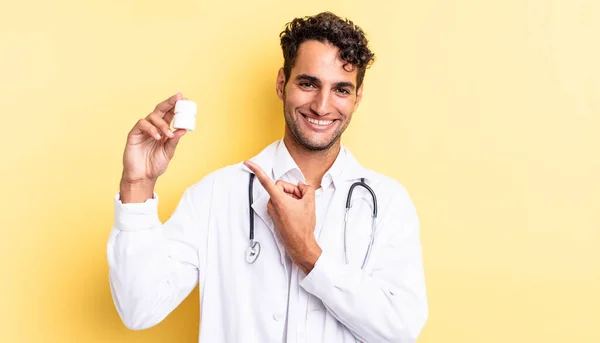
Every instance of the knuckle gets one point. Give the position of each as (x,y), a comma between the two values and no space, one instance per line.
(151,116)
(150,129)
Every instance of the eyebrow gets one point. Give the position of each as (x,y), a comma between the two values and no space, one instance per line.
(315,80)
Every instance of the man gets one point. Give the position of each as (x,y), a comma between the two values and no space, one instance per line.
(283,266)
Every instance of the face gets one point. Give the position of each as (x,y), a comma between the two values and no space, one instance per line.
(319,97)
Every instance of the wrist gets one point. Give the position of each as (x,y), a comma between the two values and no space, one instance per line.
(136,191)
(306,261)
(128,178)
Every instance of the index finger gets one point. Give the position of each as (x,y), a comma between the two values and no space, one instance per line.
(167,105)
(264,179)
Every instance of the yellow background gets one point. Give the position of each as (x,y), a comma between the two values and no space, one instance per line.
(487,111)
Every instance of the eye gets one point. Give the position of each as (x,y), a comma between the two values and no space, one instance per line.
(307,85)
(343,91)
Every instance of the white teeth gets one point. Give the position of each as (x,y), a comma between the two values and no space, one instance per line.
(319,122)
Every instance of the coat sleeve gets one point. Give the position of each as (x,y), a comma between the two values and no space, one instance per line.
(385,302)
(153,266)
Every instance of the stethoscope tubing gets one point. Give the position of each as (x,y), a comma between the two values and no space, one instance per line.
(360,183)
(253,250)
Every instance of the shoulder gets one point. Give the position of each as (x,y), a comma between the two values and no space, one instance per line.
(386,184)
(230,178)
(397,210)
(394,200)
(223,179)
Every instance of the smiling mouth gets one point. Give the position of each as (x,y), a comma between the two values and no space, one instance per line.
(319,123)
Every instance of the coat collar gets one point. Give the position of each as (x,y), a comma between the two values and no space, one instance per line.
(346,168)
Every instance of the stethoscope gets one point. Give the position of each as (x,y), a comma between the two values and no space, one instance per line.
(253,250)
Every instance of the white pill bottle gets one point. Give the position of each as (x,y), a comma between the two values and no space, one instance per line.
(185,115)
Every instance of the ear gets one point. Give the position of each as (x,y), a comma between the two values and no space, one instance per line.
(280,83)
(359,93)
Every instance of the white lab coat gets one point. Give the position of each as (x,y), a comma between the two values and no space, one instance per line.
(153,267)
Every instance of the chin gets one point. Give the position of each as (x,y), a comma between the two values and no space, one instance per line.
(316,145)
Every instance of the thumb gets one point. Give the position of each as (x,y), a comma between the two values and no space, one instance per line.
(306,189)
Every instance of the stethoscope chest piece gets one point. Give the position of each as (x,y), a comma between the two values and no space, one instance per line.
(252,252)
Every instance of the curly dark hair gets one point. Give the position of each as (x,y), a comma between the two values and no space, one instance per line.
(327,27)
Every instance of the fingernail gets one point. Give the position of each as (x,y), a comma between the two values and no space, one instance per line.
(158,136)
(170,133)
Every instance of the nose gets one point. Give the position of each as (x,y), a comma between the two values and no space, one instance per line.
(320,103)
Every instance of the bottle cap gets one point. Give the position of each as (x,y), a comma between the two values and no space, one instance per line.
(186,106)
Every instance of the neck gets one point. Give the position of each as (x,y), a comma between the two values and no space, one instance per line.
(313,164)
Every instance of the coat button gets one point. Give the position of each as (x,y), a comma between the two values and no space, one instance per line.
(278,316)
